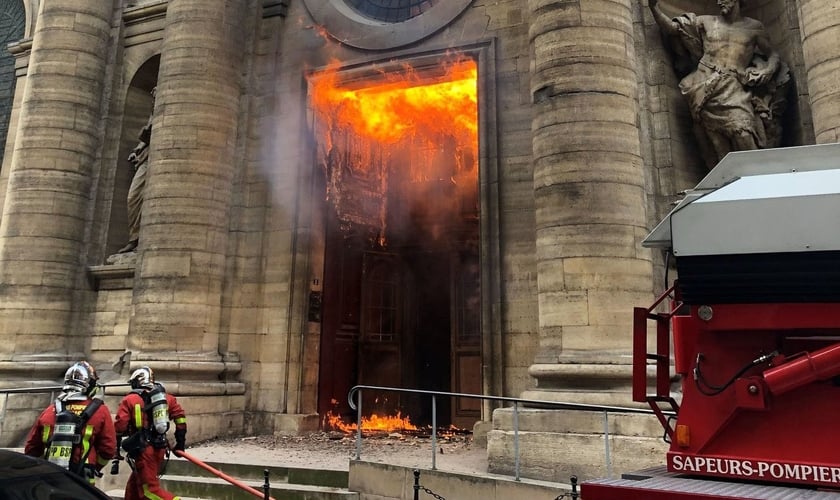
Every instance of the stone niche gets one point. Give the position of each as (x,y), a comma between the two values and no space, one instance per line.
(781,23)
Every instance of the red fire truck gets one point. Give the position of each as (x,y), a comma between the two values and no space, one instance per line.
(751,327)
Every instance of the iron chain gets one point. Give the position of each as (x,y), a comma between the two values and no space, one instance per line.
(430,492)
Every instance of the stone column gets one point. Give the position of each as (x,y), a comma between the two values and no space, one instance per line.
(589,195)
(591,271)
(46,211)
(185,215)
(820,27)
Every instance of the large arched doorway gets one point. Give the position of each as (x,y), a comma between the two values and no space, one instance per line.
(398,156)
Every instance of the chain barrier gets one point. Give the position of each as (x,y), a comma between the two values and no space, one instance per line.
(266,486)
(417,488)
(572,495)
(432,493)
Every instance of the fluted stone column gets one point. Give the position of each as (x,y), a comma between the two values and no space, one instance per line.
(589,195)
(45,213)
(820,27)
(185,216)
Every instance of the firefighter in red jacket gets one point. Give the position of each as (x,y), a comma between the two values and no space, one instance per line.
(76,431)
(143,420)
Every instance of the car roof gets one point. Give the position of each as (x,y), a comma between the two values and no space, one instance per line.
(15,466)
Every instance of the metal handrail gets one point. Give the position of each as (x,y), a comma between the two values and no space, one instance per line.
(52,389)
(356,404)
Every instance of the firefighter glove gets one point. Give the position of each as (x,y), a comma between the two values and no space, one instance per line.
(180,439)
(90,472)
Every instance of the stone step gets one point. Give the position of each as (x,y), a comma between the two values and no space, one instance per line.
(219,489)
(212,488)
(253,472)
(190,481)
(120,495)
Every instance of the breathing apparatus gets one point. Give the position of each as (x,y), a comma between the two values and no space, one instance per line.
(154,398)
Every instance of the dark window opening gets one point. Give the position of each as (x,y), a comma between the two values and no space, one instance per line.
(391,11)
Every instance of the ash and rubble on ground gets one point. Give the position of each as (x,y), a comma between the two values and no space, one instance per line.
(335,450)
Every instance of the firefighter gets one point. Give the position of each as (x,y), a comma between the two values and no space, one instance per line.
(143,420)
(76,431)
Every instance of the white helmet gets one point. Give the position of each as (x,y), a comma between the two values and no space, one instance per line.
(77,378)
(142,377)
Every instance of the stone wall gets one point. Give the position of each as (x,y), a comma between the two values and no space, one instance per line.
(377,481)
(585,143)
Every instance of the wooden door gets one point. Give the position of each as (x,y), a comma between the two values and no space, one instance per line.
(340,321)
(466,340)
(380,336)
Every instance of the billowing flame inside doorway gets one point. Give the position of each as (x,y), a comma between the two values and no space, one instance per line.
(397,150)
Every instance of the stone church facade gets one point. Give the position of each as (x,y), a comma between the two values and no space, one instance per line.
(258,299)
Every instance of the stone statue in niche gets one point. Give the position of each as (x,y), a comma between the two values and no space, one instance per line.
(733,80)
(139,159)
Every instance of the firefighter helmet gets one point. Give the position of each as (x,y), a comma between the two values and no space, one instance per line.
(142,377)
(77,378)
(94,378)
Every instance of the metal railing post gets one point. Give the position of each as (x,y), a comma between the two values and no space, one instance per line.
(416,484)
(516,440)
(607,457)
(358,424)
(3,414)
(266,485)
(434,430)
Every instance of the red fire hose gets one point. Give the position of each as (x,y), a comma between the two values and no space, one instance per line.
(217,472)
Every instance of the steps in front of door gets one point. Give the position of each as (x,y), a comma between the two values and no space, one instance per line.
(191,481)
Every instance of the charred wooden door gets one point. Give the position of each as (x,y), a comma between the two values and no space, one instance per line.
(406,317)
(340,321)
(466,340)
(430,327)
(381,333)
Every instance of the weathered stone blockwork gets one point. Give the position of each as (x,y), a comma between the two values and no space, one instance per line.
(584,143)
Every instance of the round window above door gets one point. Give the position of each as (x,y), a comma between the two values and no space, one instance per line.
(391,11)
(383,24)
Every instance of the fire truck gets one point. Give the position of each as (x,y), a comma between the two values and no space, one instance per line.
(751,329)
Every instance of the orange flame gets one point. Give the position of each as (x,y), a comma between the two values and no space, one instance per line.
(372,423)
(402,126)
(403,105)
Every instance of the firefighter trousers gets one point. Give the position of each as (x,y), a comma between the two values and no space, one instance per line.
(143,482)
